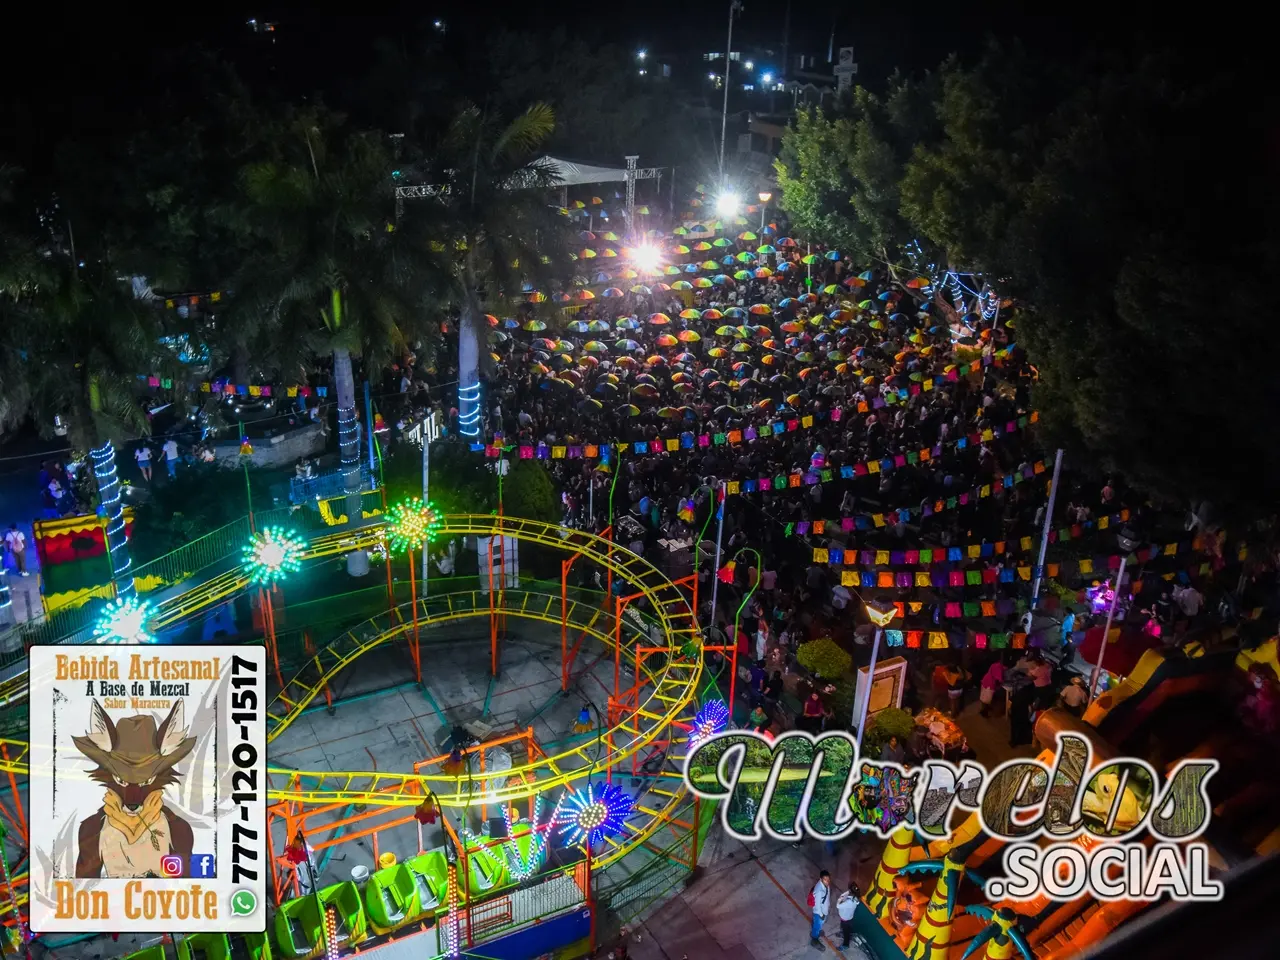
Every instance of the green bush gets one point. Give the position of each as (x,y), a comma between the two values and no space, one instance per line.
(824,658)
(890,722)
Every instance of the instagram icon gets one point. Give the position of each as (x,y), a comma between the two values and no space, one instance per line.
(171,866)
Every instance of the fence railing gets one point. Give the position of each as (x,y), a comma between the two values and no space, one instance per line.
(324,486)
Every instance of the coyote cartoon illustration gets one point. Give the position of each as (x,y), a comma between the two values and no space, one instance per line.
(133,829)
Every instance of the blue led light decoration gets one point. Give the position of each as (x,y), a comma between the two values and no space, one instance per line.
(589,815)
(469,410)
(124,620)
(273,554)
(103,459)
(712,718)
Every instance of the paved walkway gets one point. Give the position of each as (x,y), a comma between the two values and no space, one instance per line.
(749,902)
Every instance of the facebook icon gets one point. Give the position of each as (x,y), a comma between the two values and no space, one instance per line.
(202,866)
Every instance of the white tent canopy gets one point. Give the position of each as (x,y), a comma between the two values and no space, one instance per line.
(574,174)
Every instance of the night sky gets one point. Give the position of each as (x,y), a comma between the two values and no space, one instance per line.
(84,70)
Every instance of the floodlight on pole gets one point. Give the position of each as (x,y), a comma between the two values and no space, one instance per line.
(727,204)
(881,613)
(1128,542)
(647,259)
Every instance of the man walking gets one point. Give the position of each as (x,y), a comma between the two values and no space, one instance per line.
(171,456)
(820,904)
(16,541)
(845,907)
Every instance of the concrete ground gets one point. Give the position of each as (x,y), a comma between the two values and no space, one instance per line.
(750,900)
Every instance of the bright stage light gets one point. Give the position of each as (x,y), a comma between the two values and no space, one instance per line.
(124,620)
(727,204)
(647,259)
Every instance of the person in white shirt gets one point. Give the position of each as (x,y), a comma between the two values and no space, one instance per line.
(821,906)
(16,541)
(143,456)
(845,908)
(171,457)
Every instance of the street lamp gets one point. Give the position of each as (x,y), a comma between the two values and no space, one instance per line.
(1127,541)
(647,259)
(881,613)
(641,55)
(766,78)
(765,197)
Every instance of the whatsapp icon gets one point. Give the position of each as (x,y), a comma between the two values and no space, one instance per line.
(243,903)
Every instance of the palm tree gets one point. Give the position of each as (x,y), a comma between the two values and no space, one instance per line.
(493,201)
(321,207)
(72,342)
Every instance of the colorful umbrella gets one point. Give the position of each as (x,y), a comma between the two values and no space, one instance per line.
(641,289)
(669,413)
(534,326)
(717,352)
(584,295)
(736,312)
(666,340)
(646,390)
(766,249)
(763,273)
(611,292)
(688,336)
(742,275)
(595,346)
(832,255)
(761,309)
(702,283)
(578,326)
(598,326)
(658,319)
(682,285)
(711,314)
(628,410)
(627,345)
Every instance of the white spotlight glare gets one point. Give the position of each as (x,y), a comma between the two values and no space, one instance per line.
(727,204)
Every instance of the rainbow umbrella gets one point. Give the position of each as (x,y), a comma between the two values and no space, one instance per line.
(805,357)
(598,326)
(625,361)
(831,288)
(742,348)
(786,242)
(887,295)
(709,265)
(655,361)
(747,235)
(671,270)
(854,282)
(721,280)
(742,275)
(662,286)
(725,331)
(770,344)
(578,326)
(588,361)
(918,283)
(627,345)
(708,373)
(769,359)
(876,325)
(690,314)
(680,231)
(658,319)
(586,253)
(626,274)
(763,273)
(702,283)
(711,314)
(805,373)
(720,242)
(628,410)
(493,321)
(610,378)
(682,285)
(842,368)
(641,289)
(792,326)
(646,390)
(736,312)
(717,352)
(666,340)
(669,413)
(584,295)
(563,346)
(562,298)
(685,357)
(698,227)
(809,259)
(761,309)
(627,323)
(611,292)
(832,255)
(509,323)
(702,245)
(679,249)
(746,256)
(688,336)
(761,330)
(740,366)
(766,249)
(545,344)
(866,305)
(534,326)
(743,332)
(595,346)
(837,355)
(794,399)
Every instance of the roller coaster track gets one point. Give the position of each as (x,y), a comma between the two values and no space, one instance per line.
(663,701)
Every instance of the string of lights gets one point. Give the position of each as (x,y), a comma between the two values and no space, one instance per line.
(107,477)
(469,410)
(451,925)
(593,813)
(331,950)
(349,441)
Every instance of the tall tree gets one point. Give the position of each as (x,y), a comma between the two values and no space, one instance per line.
(330,257)
(498,225)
